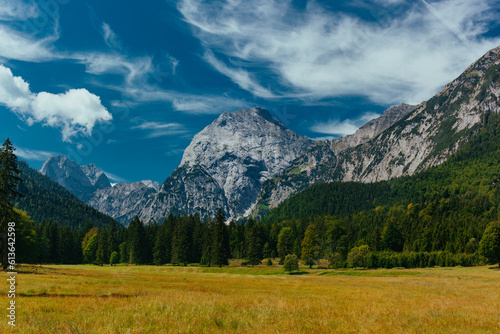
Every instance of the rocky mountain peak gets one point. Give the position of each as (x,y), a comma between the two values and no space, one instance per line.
(226,164)
(68,174)
(372,128)
(96,177)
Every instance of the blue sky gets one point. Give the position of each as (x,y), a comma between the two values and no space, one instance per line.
(126,84)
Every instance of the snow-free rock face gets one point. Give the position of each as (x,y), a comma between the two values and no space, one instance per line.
(68,174)
(97,177)
(226,164)
(123,201)
(424,136)
(372,128)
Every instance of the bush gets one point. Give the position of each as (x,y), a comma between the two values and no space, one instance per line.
(291,263)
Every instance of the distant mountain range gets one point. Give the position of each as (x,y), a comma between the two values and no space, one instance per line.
(246,162)
(91,185)
(45,199)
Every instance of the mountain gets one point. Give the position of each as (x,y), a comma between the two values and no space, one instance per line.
(68,174)
(226,164)
(372,128)
(96,177)
(425,136)
(121,201)
(445,208)
(45,199)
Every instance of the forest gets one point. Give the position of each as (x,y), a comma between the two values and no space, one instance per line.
(445,216)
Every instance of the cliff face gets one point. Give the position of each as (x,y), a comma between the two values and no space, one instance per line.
(226,164)
(425,136)
(122,202)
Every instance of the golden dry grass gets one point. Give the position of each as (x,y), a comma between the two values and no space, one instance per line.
(148,299)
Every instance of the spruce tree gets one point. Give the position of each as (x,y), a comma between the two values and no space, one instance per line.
(220,241)
(137,242)
(206,251)
(180,242)
(9,179)
(101,256)
(253,242)
(112,245)
(160,248)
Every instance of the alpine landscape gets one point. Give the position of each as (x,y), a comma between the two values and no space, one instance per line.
(250,166)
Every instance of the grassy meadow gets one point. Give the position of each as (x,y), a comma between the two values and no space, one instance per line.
(150,299)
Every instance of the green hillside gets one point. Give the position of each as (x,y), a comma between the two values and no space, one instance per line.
(441,209)
(45,199)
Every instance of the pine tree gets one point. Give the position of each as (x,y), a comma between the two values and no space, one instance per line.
(392,237)
(160,248)
(137,242)
(180,242)
(220,241)
(101,256)
(112,245)
(253,242)
(9,179)
(206,251)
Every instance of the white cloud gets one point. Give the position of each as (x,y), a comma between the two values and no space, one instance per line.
(110,37)
(318,53)
(75,111)
(19,46)
(343,128)
(37,155)
(158,129)
(240,77)
(17,10)
(114,177)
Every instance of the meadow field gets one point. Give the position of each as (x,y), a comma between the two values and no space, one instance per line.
(150,299)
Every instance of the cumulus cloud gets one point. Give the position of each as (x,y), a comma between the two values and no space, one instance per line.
(406,55)
(74,112)
(343,128)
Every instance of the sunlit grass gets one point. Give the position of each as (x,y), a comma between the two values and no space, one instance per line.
(149,299)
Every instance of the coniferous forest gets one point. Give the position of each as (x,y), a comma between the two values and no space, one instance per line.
(438,217)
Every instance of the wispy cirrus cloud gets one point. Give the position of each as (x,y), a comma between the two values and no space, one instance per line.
(160,129)
(36,155)
(17,10)
(406,55)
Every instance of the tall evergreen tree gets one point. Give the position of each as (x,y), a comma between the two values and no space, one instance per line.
(206,251)
(9,179)
(392,236)
(180,242)
(101,256)
(137,242)
(112,245)
(253,242)
(220,241)
(160,247)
